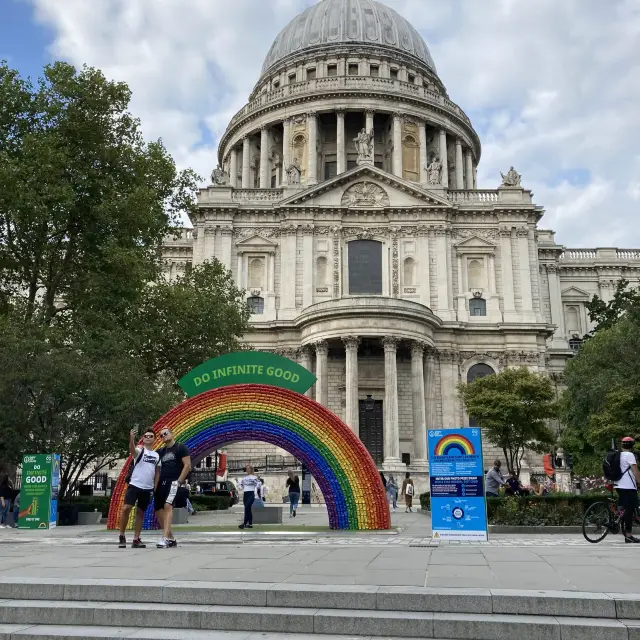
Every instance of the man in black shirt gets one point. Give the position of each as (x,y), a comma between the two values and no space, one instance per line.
(171,490)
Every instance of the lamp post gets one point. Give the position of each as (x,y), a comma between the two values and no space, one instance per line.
(369,403)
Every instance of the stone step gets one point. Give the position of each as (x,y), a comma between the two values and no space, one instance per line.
(406,624)
(361,598)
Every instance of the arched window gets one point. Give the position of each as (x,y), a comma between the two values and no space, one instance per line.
(475,273)
(256,304)
(321,272)
(365,267)
(256,273)
(480,370)
(573,320)
(477,307)
(410,159)
(409,272)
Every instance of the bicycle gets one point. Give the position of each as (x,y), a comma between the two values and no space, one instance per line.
(604,517)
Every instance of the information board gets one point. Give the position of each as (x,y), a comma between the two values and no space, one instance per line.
(458,506)
(39,491)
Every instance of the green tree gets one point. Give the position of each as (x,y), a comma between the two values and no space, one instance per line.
(85,201)
(75,397)
(605,314)
(601,402)
(513,407)
(181,324)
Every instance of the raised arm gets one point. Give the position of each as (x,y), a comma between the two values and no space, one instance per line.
(132,444)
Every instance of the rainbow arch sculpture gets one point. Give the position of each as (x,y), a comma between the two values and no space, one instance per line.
(337,459)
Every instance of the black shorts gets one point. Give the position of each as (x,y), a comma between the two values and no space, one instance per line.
(140,496)
(166,493)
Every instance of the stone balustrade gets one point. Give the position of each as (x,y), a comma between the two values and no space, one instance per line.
(599,254)
(475,196)
(179,236)
(257,195)
(360,83)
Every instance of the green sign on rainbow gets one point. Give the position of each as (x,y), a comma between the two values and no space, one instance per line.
(247,367)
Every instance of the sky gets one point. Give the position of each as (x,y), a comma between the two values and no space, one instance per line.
(551,86)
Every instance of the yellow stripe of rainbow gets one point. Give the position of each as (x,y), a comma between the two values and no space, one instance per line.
(453,441)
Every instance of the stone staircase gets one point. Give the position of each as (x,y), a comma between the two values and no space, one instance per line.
(37,609)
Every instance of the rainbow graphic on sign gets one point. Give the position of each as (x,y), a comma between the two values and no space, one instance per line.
(337,459)
(454,444)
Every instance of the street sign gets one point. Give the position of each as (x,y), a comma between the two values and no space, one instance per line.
(458,505)
(39,491)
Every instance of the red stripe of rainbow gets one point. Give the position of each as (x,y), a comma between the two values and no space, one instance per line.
(337,459)
(453,441)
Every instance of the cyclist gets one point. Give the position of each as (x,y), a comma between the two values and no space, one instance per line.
(627,487)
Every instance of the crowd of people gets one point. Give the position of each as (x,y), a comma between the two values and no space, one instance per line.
(496,484)
(407,491)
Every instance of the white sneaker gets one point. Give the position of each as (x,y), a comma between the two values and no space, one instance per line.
(163,544)
(393,510)
(2,526)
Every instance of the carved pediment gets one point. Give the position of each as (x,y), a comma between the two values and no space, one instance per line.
(366,186)
(475,244)
(256,243)
(576,294)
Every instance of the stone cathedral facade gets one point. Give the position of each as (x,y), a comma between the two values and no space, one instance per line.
(346,204)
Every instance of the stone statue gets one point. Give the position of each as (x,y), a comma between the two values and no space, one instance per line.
(294,172)
(219,177)
(364,146)
(512,179)
(434,170)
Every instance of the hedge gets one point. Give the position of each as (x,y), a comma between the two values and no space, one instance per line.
(210,503)
(556,509)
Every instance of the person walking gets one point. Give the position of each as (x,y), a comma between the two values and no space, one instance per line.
(171,492)
(6,493)
(293,486)
(627,488)
(494,480)
(407,491)
(143,480)
(16,510)
(250,486)
(392,492)
(261,494)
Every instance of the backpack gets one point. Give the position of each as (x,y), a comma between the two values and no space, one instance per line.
(409,489)
(132,467)
(611,466)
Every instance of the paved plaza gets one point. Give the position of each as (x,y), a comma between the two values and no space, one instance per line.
(404,557)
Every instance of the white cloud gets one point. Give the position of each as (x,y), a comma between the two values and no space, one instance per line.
(552,87)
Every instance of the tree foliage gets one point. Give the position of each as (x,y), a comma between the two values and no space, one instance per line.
(601,402)
(605,314)
(92,337)
(513,407)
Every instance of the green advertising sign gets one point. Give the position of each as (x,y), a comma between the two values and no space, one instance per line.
(39,491)
(247,367)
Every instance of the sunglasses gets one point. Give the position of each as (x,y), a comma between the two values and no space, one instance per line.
(149,435)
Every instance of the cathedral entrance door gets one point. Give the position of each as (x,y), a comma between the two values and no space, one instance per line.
(371,430)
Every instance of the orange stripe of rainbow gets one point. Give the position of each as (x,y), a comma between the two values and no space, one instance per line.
(337,459)
(453,441)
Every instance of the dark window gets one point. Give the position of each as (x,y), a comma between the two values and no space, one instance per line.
(256,304)
(379,164)
(276,84)
(372,429)
(477,307)
(273,182)
(394,74)
(365,267)
(330,169)
(311,74)
(375,70)
(351,164)
(406,458)
(480,370)
(353,69)
(292,78)
(332,70)
(412,78)
(187,268)
(575,344)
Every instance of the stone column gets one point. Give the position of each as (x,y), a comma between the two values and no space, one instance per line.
(419,408)
(430,389)
(286,147)
(449,383)
(557,314)
(391,427)
(422,128)
(322,373)
(246,163)
(526,293)
(341,155)
(444,158)
(306,361)
(352,408)
(506,267)
(459,165)
(443,272)
(307,266)
(469,169)
(224,245)
(312,155)
(233,168)
(288,258)
(397,144)
(369,115)
(264,158)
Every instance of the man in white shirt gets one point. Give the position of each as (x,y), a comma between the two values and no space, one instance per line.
(143,480)
(251,487)
(627,487)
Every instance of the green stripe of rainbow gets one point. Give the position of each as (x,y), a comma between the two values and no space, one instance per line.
(454,441)
(337,459)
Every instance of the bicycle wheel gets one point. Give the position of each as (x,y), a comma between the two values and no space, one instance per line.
(597,522)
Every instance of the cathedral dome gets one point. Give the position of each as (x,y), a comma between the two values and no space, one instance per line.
(332,23)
